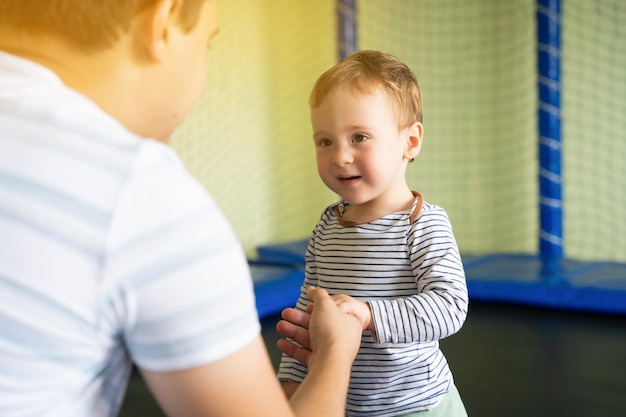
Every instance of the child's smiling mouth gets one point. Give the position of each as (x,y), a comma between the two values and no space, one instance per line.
(349,179)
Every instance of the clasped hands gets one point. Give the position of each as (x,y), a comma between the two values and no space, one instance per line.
(331,326)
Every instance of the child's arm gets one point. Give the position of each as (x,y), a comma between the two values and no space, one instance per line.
(439,307)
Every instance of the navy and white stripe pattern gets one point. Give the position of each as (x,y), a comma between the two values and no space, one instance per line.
(410,272)
(109,251)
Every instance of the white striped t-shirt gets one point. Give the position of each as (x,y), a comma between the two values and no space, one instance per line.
(408,268)
(109,251)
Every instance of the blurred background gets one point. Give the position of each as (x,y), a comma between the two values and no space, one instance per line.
(249,138)
(249,142)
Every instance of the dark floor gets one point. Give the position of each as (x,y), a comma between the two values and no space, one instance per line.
(511,361)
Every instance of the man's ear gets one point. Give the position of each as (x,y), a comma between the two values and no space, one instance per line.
(154,27)
(415,134)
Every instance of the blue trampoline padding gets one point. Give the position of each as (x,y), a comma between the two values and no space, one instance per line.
(276,285)
(587,286)
(284,252)
(513,278)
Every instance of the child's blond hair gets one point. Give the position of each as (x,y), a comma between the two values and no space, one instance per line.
(365,71)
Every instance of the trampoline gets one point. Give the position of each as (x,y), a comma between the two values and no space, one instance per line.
(548,278)
(509,278)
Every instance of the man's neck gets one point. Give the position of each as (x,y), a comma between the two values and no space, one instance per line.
(107,77)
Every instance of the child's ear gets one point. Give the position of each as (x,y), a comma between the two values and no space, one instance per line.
(154,25)
(415,134)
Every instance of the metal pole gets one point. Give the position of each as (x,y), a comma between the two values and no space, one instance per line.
(346,27)
(549,117)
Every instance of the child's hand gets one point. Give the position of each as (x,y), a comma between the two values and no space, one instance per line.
(358,309)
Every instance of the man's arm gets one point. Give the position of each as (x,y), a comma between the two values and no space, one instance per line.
(328,348)
(289,388)
(241,384)
(345,304)
(244,384)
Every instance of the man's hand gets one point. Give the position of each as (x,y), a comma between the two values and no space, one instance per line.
(324,330)
(295,326)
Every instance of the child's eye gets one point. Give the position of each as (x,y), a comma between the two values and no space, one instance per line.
(325,142)
(359,138)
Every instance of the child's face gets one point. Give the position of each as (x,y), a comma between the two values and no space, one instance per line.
(360,150)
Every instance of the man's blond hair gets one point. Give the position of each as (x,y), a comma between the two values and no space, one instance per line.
(90,24)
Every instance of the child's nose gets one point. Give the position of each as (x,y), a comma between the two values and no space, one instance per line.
(342,156)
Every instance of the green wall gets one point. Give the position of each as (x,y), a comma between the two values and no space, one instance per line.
(249,141)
